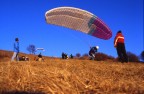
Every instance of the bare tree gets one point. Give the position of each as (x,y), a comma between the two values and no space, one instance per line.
(31,48)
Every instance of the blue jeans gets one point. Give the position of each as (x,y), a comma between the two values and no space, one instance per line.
(15,55)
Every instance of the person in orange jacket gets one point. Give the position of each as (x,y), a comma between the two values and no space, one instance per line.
(120,47)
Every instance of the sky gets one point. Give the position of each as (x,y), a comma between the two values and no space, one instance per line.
(25,19)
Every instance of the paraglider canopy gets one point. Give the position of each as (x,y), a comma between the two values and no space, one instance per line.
(78,19)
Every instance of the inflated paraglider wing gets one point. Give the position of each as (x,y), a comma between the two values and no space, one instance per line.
(80,20)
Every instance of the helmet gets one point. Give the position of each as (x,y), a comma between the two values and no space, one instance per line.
(97,47)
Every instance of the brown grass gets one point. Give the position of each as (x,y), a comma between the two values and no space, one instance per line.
(57,76)
(72,76)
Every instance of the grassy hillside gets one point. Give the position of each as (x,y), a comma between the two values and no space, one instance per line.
(71,76)
(6,56)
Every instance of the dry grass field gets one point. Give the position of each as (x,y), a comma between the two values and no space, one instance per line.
(71,76)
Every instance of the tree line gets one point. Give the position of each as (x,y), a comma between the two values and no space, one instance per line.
(99,56)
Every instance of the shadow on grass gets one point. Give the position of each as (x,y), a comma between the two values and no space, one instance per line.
(21,92)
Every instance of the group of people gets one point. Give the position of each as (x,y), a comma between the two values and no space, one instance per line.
(65,56)
(23,58)
(119,44)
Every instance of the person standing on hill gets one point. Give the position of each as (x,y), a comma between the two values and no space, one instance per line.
(16,50)
(120,47)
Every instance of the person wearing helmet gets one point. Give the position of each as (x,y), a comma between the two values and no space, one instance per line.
(93,51)
(120,47)
(16,50)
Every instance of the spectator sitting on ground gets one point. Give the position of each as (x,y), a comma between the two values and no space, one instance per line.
(64,55)
(40,57)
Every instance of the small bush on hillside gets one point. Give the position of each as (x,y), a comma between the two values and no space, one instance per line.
(98,57)
(142,55)
(85,56)
(78,55)
(132,57)
(102,57)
